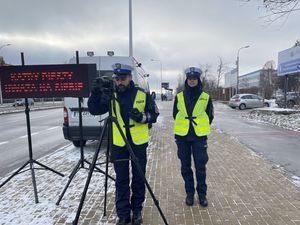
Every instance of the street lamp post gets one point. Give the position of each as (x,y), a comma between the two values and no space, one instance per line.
(157,60)
(237,67)
(1,99)
(2,46)
(130,29)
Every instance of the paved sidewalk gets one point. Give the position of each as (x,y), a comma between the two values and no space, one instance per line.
(243,188)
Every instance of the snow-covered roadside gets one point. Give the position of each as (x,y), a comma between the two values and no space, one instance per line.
(285,118)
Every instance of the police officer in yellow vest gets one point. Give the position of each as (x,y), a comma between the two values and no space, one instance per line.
(193,114)
(135,110)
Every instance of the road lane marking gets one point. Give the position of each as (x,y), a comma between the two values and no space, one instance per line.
(25,136)
(52,128)
(4,142)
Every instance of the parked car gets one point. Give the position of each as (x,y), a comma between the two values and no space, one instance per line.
(292,99)
(244,101)
(269,102)
(21,102)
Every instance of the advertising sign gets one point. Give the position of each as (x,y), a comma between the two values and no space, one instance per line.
(289,61)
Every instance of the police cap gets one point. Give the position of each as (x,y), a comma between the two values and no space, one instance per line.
(120,69)
(193,72)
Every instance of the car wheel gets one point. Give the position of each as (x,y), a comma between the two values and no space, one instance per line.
(77,143)
(267,104)
(242,106)
(290,104)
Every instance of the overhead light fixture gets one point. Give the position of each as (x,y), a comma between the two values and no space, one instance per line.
(110,53)
(90,53)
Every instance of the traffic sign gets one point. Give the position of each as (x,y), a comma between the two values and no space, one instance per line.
(289,61)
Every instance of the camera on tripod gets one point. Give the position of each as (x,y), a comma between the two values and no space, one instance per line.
(103,84)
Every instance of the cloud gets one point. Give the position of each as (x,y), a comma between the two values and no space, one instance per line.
(179,33)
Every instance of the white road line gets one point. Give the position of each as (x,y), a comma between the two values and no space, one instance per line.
(52,128)
(25,136)
(4,142)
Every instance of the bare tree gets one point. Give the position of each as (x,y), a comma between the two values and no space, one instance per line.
(206,70)
(278,9)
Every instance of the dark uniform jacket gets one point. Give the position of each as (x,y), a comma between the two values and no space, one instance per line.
(191,95)
(97,105)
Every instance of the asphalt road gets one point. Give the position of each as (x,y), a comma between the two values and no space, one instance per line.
(278,145)
(46,134)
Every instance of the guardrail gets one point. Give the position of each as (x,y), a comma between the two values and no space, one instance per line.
(9,108)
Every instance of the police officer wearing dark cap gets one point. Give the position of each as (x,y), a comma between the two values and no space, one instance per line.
(193,114)
(134,110)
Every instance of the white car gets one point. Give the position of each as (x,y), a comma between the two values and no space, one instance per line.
(244,101)
(21,102)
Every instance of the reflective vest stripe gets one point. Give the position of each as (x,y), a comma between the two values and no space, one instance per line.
(139,131)
(199,118)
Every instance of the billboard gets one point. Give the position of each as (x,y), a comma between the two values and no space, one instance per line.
(289,61)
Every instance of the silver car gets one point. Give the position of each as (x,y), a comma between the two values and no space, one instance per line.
(244,101)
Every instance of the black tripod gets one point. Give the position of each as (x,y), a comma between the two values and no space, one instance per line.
(82,160)
(108,126)
(31,161)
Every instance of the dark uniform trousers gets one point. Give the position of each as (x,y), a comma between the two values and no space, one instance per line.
(199,151)
(121,165)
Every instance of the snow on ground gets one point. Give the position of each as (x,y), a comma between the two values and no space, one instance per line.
(285,118)
(17,199)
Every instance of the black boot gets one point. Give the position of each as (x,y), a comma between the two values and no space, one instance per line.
(189,200)
(203,201)
(137,218)
(123,221)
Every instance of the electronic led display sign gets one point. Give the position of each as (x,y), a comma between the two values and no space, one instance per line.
(39,81)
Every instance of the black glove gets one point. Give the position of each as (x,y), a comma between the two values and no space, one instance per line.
(138,116)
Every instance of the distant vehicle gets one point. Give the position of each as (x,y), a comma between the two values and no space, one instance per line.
(91,127)
(292,99)
(244,101)
(21,102)
(167,95)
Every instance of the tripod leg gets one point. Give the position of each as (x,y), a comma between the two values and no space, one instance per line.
(140,171)
(69,181)
(15,173)
(34,182)
(48,168)
(92,168)
(106,177)
(101,171)
(105,173)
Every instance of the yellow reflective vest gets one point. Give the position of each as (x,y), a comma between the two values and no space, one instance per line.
(139,131)
(199,117)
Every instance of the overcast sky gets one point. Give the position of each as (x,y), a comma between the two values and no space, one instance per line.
(180,33)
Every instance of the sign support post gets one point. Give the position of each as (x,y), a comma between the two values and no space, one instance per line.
(31,161)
